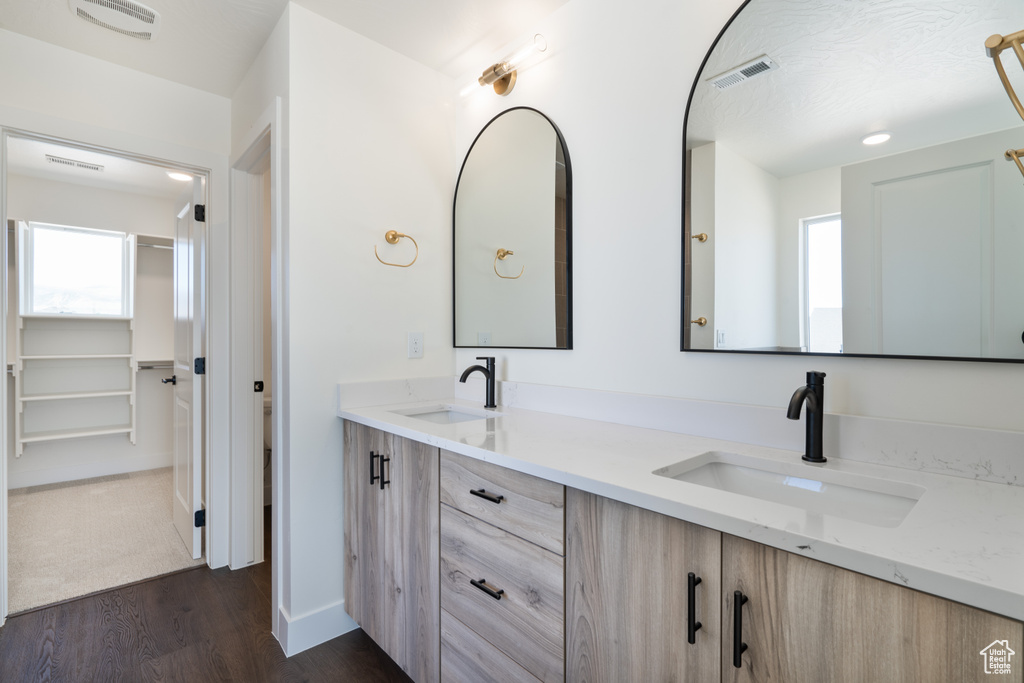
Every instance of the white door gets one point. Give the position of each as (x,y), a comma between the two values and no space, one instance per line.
(188,390)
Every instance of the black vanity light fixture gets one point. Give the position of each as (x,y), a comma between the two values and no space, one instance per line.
(502,74)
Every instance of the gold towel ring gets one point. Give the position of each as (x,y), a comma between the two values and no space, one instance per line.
(392,237)
(503,254)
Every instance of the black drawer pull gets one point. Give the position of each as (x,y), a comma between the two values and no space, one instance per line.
(692,625)
(482,585)
(487,496)
(373,465)
(738,646)
(384,481)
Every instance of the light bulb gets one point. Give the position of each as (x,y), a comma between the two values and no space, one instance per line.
(876,138)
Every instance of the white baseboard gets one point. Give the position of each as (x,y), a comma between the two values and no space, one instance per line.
(18,480)
(301,633)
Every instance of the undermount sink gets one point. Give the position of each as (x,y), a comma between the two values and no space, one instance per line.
(446,414)
(817,490)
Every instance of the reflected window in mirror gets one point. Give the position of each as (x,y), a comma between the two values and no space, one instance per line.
(512,236)
(929,256)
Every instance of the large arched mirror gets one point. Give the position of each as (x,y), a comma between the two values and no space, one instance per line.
(800,237)
(513,236)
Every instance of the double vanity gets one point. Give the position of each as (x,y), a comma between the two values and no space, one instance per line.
(513,544)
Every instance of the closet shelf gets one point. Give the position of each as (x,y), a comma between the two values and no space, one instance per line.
(76,317)
(76,356)
(83,394)
(59,434)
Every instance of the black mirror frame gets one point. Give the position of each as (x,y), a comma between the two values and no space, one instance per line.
(684,305)
(568,235)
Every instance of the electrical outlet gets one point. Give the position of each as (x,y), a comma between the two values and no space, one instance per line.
(483,338)
(415,345)
(720,338)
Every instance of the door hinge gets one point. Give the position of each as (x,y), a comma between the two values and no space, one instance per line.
(257,387)
(200,213)
(200,518)
(200,367)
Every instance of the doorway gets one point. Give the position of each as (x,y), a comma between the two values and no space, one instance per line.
(91,405)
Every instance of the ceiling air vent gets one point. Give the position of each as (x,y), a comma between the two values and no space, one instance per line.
(71,163)
(123,16)
(743,72)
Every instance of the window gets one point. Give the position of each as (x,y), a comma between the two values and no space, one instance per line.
(75,271)
(823,284)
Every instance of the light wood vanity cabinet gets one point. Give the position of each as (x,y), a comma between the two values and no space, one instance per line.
(465,571)
(807,621)
(627,588)
(391,546)
(803,621)
(502,574)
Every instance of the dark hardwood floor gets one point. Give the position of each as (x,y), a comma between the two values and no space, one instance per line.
(196,626)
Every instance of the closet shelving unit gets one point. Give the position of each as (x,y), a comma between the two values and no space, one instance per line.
(74,377)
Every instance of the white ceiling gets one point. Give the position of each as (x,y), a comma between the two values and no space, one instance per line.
(28,157)
(209,44)
(850,67)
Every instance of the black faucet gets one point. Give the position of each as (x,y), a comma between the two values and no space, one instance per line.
(488,373)
(814,395)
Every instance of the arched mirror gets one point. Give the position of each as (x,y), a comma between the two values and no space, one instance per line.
(802,237)
(513,236)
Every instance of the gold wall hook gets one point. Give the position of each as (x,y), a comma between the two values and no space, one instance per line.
(702,321)
(503,254)
(392,237)
(700,237)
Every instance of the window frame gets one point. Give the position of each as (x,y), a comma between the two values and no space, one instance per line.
(26,268)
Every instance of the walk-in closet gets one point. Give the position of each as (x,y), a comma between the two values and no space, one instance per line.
(90,351)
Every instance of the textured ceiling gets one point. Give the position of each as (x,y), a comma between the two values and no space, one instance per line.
(849,67)
(209,44)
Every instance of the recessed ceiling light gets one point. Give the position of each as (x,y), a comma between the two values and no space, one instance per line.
(876,138)
(179,176)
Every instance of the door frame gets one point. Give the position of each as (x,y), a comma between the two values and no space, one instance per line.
(210,429)
(247,204)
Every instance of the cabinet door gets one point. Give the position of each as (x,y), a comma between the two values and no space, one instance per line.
(626,594)
(806,621)
(413,556)
(364,532)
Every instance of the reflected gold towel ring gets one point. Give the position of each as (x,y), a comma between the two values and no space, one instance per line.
(392,237)
(993,46)
(503,254)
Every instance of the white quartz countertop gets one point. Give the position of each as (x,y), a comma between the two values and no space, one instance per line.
(963,540)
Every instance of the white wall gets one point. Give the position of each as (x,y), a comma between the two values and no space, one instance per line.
(54,91)
(807,195)
(624,136)
(746,215)
(364,155)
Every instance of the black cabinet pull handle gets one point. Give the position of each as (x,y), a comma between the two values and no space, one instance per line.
(482,585)
(487,496)
(738,646)
(373,464)
(384,481)
(173,379)
(692,625)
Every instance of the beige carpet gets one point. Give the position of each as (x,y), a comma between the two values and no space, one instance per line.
(72,539)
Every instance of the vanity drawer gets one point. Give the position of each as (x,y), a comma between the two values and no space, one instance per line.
(527,621)
(468,658)
(529,507)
